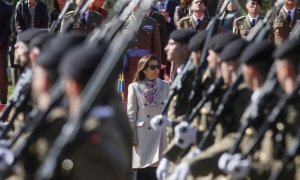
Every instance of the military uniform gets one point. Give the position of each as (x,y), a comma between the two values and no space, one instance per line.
(93,20)
(164,39)
(281,27)
(147,40)
(189,23)
(242,26)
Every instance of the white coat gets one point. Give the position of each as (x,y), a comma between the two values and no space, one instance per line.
(149,143)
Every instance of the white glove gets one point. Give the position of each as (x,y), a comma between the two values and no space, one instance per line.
(223,161)
(7,158)
(192,153)
(237,167)
(162,170)
(181,172)
(159,122)
(185,135)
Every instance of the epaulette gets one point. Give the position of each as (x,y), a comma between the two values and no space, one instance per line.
(243,86)
(185,18)
(240,18)
(69,13)
(95,12)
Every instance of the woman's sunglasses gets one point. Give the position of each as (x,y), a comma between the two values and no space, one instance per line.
(153,67)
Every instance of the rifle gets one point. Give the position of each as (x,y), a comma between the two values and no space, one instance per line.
(94,87)
(256,108)
(81,8)
(290,154)
(211,31)
(175,151)
(36,118)
(256,34)
(55,23)
(271,119)
(18,100)
(259,31)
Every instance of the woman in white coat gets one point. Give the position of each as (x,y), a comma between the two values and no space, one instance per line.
(146,96)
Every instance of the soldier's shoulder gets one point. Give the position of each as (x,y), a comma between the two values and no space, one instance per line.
(69,13)
(151,20)
(95,13)
(241,18)
(186,18)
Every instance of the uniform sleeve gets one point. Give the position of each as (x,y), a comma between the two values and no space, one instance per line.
(180,24)
(132,108)
(207,161)
(176,15)
(156,43)
(235,29)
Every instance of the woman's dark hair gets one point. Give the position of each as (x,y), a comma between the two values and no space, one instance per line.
(142,65)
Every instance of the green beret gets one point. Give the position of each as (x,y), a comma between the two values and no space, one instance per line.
(182,35)
(197,41)
(290,48)
(258,52)
(233,50)
(219,41)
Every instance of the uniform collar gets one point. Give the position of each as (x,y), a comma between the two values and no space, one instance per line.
(292,11)
(251,18)
(196,18)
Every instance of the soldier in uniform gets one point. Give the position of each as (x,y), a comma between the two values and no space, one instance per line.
(272,147)
(45,75)
(87,22)
(205,162)
(178,53)
(97,152)
(147,40)
(288,16)
(243,24)
(287,68)
(257,60)
(164,39)
(198,20)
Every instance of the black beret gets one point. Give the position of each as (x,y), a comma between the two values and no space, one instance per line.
(258,1)
(56,48)
(258,52)
(182,35)
(219,41)
(80,62)
(233,50)
(27,35)
(197,41)
(288,48)
(40,40)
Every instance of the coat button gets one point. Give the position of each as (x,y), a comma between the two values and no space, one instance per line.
(162,103)
(145,104)
(148,116)
(149,128)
